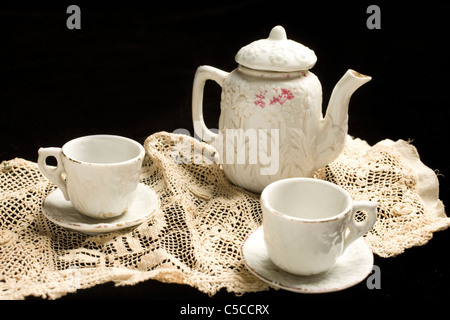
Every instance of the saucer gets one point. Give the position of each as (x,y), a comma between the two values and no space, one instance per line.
(351,268)
(61,212)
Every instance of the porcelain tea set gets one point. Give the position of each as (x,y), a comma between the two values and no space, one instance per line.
(270,104)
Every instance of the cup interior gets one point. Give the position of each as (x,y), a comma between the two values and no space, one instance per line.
(103,149)
(305,198)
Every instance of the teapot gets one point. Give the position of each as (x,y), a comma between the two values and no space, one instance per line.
(271,125)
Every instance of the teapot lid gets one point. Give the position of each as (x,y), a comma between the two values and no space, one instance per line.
(276,53)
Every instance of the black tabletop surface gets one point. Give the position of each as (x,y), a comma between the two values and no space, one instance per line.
(129,71)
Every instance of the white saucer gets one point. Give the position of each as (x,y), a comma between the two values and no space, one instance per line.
(62,213)
(351,268)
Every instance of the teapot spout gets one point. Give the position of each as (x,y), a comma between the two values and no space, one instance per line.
(337,111)
(334,126)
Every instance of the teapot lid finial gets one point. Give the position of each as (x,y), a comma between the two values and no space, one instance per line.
(278,33)
(276,53)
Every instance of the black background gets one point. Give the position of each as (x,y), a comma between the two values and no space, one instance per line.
(129,71)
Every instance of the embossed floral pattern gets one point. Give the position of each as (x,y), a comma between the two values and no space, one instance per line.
(260,99)
(242,108)
(276,115)
(278,96)
(276,103)
(282,96)
(291,105)
(284,55)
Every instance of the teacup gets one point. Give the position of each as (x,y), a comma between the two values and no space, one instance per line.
(99,174)
(308,223)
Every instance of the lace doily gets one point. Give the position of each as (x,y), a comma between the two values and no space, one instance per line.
(195,237)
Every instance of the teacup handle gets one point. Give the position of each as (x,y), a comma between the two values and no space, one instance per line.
(54,174)
(358,229)
(204,73)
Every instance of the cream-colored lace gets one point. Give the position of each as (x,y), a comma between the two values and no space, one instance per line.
(195,237)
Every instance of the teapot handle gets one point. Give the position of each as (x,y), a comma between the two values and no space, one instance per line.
(204,73)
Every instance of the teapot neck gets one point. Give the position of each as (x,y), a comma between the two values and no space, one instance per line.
(272,74)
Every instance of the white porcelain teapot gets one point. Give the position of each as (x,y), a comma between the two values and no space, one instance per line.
(271,125)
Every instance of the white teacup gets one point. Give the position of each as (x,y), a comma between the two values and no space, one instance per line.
(99,174)
(308,223)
